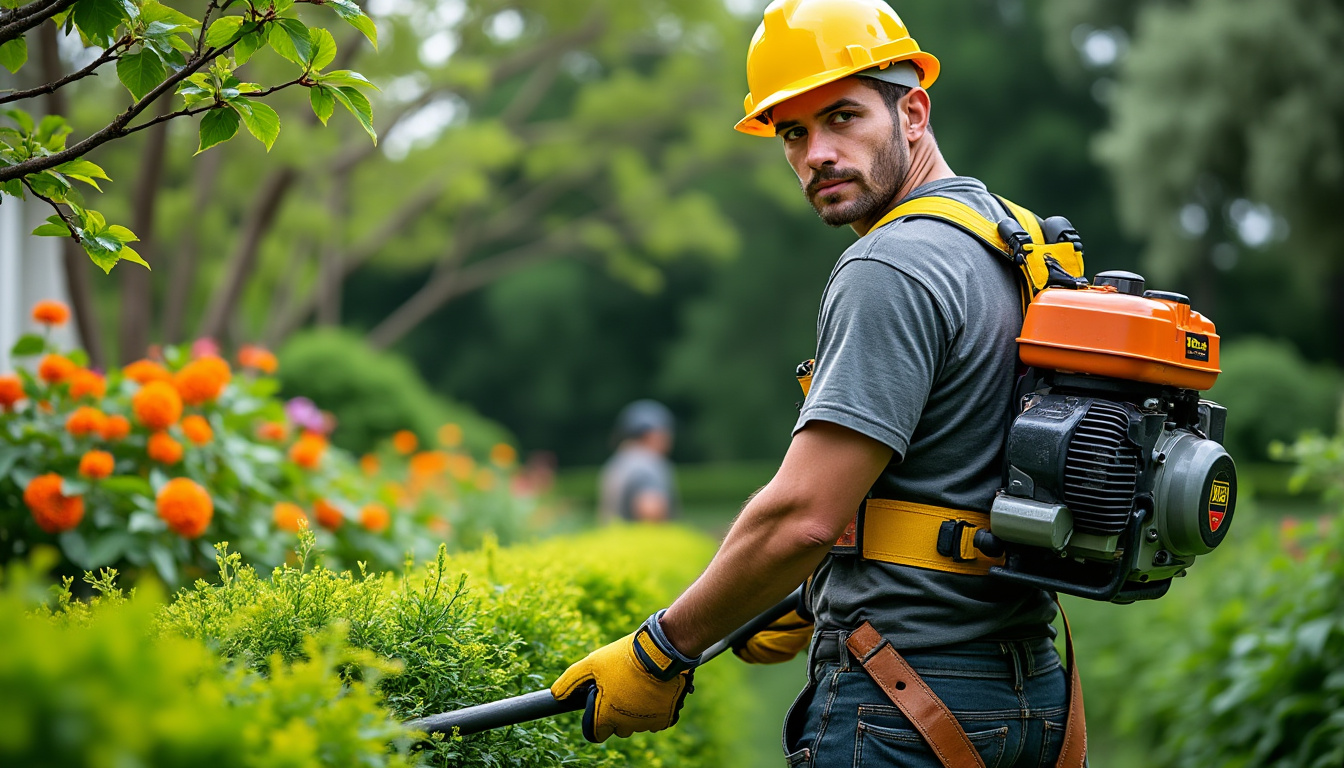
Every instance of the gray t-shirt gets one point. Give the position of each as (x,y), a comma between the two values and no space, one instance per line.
(629,472)
(916,349)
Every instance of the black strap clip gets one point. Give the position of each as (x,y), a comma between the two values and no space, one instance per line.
(949,539)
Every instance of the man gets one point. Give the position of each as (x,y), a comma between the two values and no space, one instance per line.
(637,482)
(908,406)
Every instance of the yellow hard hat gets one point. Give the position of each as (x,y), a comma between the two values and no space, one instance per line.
(804,44)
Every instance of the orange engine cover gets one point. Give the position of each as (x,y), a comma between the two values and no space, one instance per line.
(1103,332)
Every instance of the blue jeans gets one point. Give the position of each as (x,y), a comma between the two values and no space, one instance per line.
(1010,697)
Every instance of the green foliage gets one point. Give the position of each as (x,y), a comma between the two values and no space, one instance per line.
(478,627)
(94,687)
(1271,394)
(157,49)
(373,393)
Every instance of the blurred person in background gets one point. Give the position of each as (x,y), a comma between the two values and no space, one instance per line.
(637,483)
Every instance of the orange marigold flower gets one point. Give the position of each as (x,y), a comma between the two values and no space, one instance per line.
(374,518)
(273,431)
(145,371)
(96,465)
(201,381)
(164,449)
(157,405)
(307,450)
(289,517)
(116,428)
(450,435)
(197,429)
(485,479)
(185,506)
(54,369)
(52,510)
(51,312)
(503,455)
(328,515)
(11,391)
(428,463)
(86,383)
(85,420)
(461,467)
(370,464)
(257,358)
(405,442)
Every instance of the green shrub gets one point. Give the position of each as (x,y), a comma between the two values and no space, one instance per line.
(91,687)
(1271,393)
(373,393)
(480,626)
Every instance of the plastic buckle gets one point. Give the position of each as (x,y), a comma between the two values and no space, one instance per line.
(950,535)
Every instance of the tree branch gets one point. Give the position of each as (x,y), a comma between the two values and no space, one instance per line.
(69,222)
(23,23)
(43,90)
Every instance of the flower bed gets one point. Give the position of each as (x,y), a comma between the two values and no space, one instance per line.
(465,629)
(146,466)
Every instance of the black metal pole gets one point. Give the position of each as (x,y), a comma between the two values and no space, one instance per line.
(539,704)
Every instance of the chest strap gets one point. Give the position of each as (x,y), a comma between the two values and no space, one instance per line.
(919,535)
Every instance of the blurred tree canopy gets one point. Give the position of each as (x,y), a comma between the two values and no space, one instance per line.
(1226,143)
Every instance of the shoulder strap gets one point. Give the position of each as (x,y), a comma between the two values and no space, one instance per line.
(1033,260)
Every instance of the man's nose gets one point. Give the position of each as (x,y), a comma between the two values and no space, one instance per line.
(820,152)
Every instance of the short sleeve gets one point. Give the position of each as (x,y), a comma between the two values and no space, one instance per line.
(881,343)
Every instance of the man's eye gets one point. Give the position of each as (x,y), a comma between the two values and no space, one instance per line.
(793,134)
(842,117)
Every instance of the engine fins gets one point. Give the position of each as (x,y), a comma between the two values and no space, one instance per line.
(1101,471)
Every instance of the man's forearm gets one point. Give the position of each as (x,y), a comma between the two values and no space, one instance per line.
(769,551)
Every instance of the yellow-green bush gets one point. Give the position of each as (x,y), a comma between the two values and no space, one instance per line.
(88,687)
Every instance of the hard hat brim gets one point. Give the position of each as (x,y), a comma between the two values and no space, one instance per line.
(753,125)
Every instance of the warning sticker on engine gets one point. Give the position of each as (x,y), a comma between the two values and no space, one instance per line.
(1196,346)
(1218,498)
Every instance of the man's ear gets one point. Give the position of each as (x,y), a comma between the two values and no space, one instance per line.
(916,108)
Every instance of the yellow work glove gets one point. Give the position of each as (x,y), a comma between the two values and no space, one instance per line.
(782,640)
(637,683)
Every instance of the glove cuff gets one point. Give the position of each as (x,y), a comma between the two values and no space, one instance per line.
(657,654)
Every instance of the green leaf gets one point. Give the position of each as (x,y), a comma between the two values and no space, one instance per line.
(127,253)
(13,54)
(359,106)
(355,16)
(123,234)
(222,32)
(261,121)
(342,77)
(21,118)
(52,230)
(323,102)
(289,38)
(164,563)
(152,11)
(49,184)
(51,133)
(217,126)
(127,485)
(248,45)
(28,345)
(85,171)
(104,258)
(140,72)
(98,19)
(13,187)
(324,48)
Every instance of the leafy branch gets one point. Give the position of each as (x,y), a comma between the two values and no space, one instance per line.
(159,51)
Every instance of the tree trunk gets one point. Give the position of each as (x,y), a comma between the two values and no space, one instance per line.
(73,259)
(241,263)
(331,270)
(182,278)
(137,288)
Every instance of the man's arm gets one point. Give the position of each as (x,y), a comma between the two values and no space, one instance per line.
(781,536)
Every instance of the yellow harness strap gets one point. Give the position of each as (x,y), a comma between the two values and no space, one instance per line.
(1034,270)
(906,533)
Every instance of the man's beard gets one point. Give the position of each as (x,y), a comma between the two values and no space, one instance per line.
(876,190)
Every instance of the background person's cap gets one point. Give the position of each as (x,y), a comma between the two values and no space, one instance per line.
(641,417)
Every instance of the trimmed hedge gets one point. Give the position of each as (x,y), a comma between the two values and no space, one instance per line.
(462,630)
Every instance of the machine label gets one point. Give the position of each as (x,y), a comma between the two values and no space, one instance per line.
(1196,346)
(1218,496)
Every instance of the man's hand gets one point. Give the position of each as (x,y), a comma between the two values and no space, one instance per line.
(637,683)
(781,641)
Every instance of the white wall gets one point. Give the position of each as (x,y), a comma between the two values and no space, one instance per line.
(30,270)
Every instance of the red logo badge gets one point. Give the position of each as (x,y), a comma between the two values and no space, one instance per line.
(1219,495)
